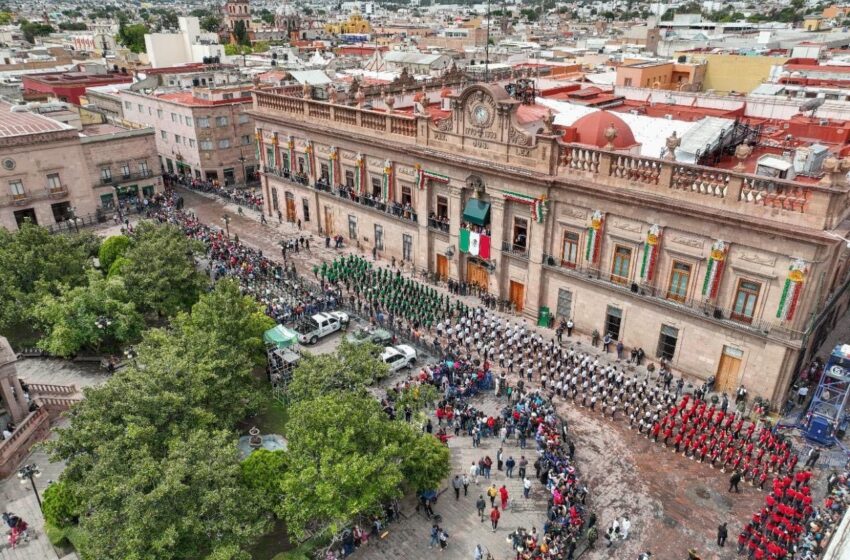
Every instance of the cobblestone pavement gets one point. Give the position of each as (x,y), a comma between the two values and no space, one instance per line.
(674,503)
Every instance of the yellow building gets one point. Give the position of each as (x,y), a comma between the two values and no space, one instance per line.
(355,24)
(812,23)
(728,72)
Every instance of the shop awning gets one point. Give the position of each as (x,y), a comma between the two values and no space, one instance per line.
(280,336)
(476,212)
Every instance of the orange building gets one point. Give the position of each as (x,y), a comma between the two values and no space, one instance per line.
(835,11)
(661,75)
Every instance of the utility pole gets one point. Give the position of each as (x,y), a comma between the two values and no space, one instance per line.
(487,48)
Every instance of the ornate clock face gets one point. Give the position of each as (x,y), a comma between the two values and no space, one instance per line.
(480,115)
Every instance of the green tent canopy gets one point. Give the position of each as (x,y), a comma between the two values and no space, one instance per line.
(280,336)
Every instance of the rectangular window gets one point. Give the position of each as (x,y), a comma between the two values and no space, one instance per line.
(305,207)
(349,179)
(125,169)
(613,322)
(173,117)
(680,278)
(177,139)
(224,143)
(746,298)
(105,175)
(379,237)
(227,96)
(141,109)
(53,182)
(352,227)
(204,122)
(150,111)
(627,82)
(284,161)
(407,247)
(206,144)
(243,118)
(163,135)
(667,341)
(565,303)
(406,195)
(128,105)
(442,207)
(159,114)
(246,139)
(189,121)
(622,264)
(191,142)
(376,187)
(569,256)
(143,168)
(17,188)
(221,121)
(324,172)
(520,234)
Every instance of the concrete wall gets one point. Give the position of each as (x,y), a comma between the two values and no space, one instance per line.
(731,72)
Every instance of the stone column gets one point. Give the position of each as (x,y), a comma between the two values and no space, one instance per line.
(497,233)
(455,217)
(533,293)
(10,388)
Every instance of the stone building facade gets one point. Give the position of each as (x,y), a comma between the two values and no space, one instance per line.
(725,274)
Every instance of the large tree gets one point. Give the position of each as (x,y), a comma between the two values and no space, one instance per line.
(161,275)
(352,368)
(33,264)
(71,319)
(346,458)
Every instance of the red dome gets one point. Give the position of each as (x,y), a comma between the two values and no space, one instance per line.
(591,130)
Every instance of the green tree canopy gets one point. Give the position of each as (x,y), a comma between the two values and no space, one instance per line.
(352,368)
(61,505)
(263,472)
(132,36)
(240,33)
(70,319)
(112,248)
(161,275)
(33,29)
(34,263)
(346,458)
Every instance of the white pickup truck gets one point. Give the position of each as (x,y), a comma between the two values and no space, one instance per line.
(310,330)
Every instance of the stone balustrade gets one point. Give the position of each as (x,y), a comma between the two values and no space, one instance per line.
(30,431)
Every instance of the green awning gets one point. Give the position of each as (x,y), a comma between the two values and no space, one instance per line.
(476,212)
(280,336)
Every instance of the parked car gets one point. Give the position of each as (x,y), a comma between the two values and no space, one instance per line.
(310,330)
(398,357)
(380,337)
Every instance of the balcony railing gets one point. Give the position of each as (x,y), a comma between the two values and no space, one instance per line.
(57,191)
(514,249)
(702,308)
(29,197)
(123,178)
(439,224)
(393,209)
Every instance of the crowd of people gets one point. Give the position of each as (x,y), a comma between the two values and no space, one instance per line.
(241,196)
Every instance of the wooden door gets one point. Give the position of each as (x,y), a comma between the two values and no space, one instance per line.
(726,380)
(517,295)
(442,267)
(330,229)
(290,208)
(477,275)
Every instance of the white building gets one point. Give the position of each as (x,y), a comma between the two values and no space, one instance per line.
(189,44)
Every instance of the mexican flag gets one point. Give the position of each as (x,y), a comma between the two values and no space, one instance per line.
(474,243)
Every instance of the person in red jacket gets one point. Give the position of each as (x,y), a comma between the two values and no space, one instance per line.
(494,518)
(503,494)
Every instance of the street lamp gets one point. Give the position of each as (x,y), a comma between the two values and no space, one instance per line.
(103,322)
(226,219)
(28,472)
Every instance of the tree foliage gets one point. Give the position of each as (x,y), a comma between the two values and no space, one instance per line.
(132,36)
(33,29)
(161,275)
(240,33)
(61,505)
(33,264)
(347,458)
(263,472)
(150,452)
(352,368)
(112,248)
(70,319)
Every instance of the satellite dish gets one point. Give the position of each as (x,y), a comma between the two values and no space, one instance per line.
(812,105)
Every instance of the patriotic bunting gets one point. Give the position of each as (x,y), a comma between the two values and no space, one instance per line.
(539,206)
(594,237)
(290,146)
(387,181)
(716,263)
(309,159)
(423,176)
(332,168)
(792,290)
(359,170)
(651,248)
